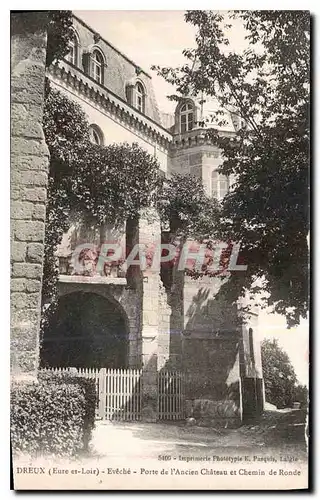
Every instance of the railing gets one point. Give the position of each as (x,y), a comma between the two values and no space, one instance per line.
(120,392)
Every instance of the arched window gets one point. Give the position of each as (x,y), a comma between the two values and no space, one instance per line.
(72,55)
(97,64)
(96,135)
(140,97)
(219,185)
(186,118)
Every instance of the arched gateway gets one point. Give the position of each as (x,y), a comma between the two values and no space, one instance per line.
(88,330)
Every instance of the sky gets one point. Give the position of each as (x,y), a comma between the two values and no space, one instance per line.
(158,37)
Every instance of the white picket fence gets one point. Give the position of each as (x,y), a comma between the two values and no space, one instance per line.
(120,392)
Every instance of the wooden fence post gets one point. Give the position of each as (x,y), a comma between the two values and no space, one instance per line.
(102,393)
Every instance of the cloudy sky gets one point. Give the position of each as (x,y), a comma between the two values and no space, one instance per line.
(158,37)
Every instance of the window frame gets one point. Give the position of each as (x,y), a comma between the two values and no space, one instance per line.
(96,63)
(186,111)
(74,46)
(217,178)
(140,93)
(95,131)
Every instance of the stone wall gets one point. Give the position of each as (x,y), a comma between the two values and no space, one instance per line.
(29,172)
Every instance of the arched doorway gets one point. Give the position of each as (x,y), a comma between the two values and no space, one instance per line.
(87,331)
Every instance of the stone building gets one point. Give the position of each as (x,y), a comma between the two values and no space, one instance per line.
(150,325)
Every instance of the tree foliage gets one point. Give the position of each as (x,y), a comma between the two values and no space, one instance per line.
(59,32)
(265,85)
(186,209)
(103,185)
(302,395)
(279,376)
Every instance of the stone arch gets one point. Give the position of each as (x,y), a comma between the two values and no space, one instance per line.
(88,330)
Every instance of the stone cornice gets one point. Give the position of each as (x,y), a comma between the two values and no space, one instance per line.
(194,139)
(74,79)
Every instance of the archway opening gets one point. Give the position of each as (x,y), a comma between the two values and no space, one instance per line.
(87,331)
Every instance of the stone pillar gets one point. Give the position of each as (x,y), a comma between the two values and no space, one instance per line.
(145,231)
(150,235)
(29,173)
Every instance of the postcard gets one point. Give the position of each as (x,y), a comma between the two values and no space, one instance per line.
(160,250)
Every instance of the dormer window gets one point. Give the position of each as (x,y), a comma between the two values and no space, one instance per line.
(140,97)
(186,118)
(72,55)
(96,70)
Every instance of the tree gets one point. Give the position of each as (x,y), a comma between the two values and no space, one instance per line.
(185,208)
(301,395)
(279,376)
(59,32)
(266,86)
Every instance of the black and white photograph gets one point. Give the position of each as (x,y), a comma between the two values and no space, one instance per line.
(160,249)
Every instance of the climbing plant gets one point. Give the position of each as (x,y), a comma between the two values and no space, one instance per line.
(107,185)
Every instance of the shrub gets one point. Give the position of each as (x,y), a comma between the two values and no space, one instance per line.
(53,416)
(90,394)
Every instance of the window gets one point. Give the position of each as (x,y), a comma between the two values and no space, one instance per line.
(72,55)
(223,186)
(140,97)
(96,135)
(186,118)
(97,66)
(219,185)
(214,184)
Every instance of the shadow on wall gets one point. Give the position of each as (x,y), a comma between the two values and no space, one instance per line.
(211,348)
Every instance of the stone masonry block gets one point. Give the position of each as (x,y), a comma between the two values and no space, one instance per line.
(27,270)
(34,194)
(26,128)
(39,212)
(22,300)
(35,252)
(21,210)
(19,111)
(18,285)
(150,318)
(25,319)
(29,231)
(33,286)
(28,178)
(15,192)
(28,146)
(25,79)
(195,159)
(18,251)
(29,162)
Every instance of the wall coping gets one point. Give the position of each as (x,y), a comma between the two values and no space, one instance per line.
(92,280)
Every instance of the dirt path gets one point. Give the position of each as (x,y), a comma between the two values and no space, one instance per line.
(275,435)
